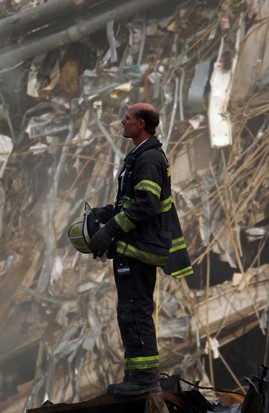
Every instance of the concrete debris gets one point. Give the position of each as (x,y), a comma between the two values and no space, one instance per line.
(6,147)
(68,71)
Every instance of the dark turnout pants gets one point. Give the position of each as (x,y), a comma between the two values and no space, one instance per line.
(135,282)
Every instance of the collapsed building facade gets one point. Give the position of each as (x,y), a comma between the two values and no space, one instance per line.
(68,70)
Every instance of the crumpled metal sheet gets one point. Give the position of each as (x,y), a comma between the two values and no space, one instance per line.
(196,96)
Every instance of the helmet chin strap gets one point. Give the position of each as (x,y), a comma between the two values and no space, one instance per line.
(87,212)
(91,223)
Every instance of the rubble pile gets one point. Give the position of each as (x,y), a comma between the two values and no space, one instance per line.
(68,71)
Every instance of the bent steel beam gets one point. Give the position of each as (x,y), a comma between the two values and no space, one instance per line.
(24,51)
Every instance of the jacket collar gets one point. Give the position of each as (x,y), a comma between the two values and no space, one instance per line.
(151,142)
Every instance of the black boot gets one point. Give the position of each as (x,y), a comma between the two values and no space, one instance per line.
(130,388)
(139,382)
(111,387)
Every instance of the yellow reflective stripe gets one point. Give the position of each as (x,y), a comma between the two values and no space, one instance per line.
(142,366)
(132,252)
(80,242)
(177,244)
(146,185)
(168,171)
(126,202)
(142,358)
(76,230)
(182,273)
(124,222)
(166,204)
(139,363)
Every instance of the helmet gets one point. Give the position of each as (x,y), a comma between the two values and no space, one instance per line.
(82,229)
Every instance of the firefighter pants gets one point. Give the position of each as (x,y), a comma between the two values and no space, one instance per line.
(135,282)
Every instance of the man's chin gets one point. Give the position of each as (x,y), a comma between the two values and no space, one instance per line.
(126,136)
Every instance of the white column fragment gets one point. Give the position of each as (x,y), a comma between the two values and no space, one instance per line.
(6,147)
(220,128)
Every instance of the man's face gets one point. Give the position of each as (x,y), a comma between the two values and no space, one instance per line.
(131,125)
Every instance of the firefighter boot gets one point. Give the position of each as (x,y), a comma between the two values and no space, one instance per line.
(139,382)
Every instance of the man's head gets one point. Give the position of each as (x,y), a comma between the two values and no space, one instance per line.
(140,122)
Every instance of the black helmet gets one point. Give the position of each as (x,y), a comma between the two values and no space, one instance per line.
(82,229)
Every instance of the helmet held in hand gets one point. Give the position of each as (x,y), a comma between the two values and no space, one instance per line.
(82,229)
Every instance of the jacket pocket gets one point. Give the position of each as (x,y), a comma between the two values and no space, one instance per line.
(158,238)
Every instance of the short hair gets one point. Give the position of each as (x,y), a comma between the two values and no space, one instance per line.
(150,118)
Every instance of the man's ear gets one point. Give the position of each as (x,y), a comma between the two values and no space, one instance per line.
(141,124)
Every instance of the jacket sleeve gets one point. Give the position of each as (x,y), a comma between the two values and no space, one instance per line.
(148,175)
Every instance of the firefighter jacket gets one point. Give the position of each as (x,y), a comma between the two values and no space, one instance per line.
(145,221)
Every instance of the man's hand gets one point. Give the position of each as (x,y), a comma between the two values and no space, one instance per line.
(104,214)
(100,241)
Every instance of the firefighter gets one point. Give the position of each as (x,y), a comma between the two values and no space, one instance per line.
(141,232)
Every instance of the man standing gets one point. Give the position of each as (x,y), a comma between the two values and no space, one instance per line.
(143,231)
